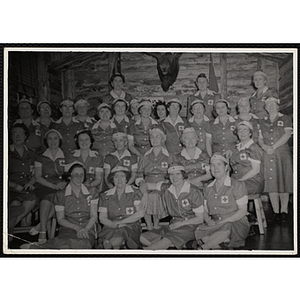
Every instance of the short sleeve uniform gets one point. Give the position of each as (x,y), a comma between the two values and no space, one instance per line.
(254,121)
(201,131)
(89,122)
(123,125)
(278,168)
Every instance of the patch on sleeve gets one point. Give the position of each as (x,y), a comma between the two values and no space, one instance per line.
(92,170)
(129,210)
(185,202)
(126,162)
(164,165)
(224,199)
(210,102)
(280,123)
(243,156)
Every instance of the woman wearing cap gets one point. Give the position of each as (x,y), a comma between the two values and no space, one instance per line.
(120,211)
(160,111)
(220,136)
(153,168)
(36,130)
(259,80)
(134,110)
(173,126)
(204,94)
(81,107)
(244,114)
(76,213)
(67,126)
(48,171)
(138,132)
(121,157)
(116,82)
(275,132)
(102,131)
(199,122)
(226,208)
(44,110)
(246,160)
(194,160)
(21,197)
(92,160)
(120,107)
(184,204)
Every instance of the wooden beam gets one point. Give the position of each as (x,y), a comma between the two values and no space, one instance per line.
(112,63)
(261,64)
(68,84)
(223,72)
(43,90)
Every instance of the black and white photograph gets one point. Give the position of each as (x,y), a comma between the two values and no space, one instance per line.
(150,150)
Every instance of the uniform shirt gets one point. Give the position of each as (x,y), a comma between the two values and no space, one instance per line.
(208,100)
(201,158)
(68,132)
(201,131)
(77,210)
(184,205)
(20,168)
(120,209)
(225,201)
(89,122)
(254,122)
(37,131)
(103,138)
(140,135)
(92,164)
(127,159)
(173,133)
(222,136)
(154,168)
(241,158)
(52,167)
(111,96)
(123,125)
(38,120)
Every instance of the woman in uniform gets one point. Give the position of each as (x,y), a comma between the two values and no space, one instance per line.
(138,132)
(103,130)
(199,122)
(246,160)
(220,132)
(120,107)
(81,108)
(160,111)
(226,208)
(275,131)
(44,110)
(173,126)
(120,211)
(133,109)
(184,203)
(48,171)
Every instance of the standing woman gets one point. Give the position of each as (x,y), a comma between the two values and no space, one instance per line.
(116,82)
(133,109)
(173,126)
(246,160)
(184,203)
(262,92)
(81,107)
(120,107)
(226,208)
(160,111)
(120,211)
(102,131)
(138,132)
(220,135)
(92,160)
(44,110)
(275,131)
(48,171)
(199,122)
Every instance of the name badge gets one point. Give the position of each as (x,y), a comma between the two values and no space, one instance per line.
(224,199)
(129,210)
(92,170)
(185,202)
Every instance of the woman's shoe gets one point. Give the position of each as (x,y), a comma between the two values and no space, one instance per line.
(35,230)
(284,217)
(42,237)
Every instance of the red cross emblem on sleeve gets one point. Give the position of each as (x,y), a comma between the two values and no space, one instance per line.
(243,156)
(203,166)
(92,170)
(129,210)
(280,123)
(210,102)
(126,163)
(61,162)
(232,127)
(164,164)
(38,132)
(180,127)
(185,202)
(224,199)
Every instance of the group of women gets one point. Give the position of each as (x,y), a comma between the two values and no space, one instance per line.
(138,160)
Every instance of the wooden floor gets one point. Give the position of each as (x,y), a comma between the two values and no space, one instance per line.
(277,236)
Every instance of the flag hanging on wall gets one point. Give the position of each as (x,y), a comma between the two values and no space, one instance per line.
(213,84)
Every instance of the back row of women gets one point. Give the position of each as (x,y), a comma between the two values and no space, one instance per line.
(141,159)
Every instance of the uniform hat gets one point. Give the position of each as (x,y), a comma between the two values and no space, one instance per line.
(134,101)
(81,102)
(175,167)
(158,130)
(260,73)
(121,99)
(24,99)
(175,100)
(66,102)
(119,134)
(119,168)
(272,99)
(219,156)
(53,130)
(222,100)
(145,102)
(197,101)
(243,99)
(189,130)
(41,102)
(246,123)
(105,105)
(67,167)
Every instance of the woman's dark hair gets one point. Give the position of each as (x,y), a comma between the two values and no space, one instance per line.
(109,108)
(119,100)
(46,143)
(89,133)
(19,125)
(180,106)
(214,113)
(114,76)
(139,109)
(159,103)
(110,177)
(66,175)
(191,107)
(184,175)
(201,75)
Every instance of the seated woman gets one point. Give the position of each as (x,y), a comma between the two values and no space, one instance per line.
(121,157)
(194,160)
(120,211)
(120,107)
(246,160)
(21,197)
(48,171)
(81,108)
(92,160)
(44,110)
(160,111)
(76,213)
(184,203)
(226,208)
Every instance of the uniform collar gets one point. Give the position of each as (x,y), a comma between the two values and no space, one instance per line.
(84,190)
(178,120)
(87,120)
(72,120)
(227,182)
(230,118)
(128,189)
(264,90)
(247,145)
(111,124)
(192,119)
(12,147)
(59,154)
(126,153)
(208,92)
(125,118)
(185,189)
(278,116)
(186,155)
(115,96)
(33,122)
(152,121)
(252,116)
(163,151)
(77,153)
